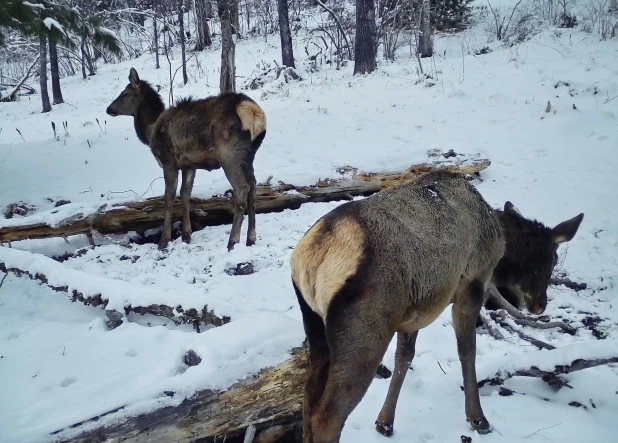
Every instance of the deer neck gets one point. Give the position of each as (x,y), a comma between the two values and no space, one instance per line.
(144,123)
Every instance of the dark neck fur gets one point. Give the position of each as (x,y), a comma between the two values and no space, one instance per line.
(150,108)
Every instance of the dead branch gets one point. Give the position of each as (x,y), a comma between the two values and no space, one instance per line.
(343,33)
(500,318)
(12,96)
(550,377)
(147,214)
(521,319)
(564,281)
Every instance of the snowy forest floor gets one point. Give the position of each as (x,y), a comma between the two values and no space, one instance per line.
(60,364)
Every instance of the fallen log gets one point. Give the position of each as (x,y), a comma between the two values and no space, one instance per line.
(118,298)
(271,401)
(265,400)
(143,215)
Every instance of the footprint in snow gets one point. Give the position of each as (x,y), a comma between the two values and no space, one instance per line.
(67,382)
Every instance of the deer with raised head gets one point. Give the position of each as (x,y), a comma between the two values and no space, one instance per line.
(390,264)
(223,131)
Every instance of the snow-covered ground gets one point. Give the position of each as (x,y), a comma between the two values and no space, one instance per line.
(59,363)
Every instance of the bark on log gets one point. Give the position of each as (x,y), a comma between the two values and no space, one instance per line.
(147,214)
(270,398)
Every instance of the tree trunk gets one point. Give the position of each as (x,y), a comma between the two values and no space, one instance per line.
(147,214)
(55,74)
(235,19)
(83,49)
(43,72)
(156,38)
(287,53)
(365,47)
(425,37)
(228,49)
(181,23)
(203,38)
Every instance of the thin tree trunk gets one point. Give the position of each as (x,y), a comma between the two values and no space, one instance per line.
(235,19)
(203,39)
(55,74)
(228,49)
(287,53)
(43,72)
(156,40)
(181,23)
(425,37)
(365,47)
(83,57)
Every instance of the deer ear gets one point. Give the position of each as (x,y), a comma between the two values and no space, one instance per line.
(134,78)
(566,230)
(510,208)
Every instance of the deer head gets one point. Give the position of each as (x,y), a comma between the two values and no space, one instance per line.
(524,272)
(127,103)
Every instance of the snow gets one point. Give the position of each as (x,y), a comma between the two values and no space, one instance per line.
(50,22)
(60,364)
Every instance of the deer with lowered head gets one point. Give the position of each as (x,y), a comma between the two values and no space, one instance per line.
(223,131)
(392,263)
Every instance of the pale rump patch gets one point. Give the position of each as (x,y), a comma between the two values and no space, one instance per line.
(322,261)
(252,117)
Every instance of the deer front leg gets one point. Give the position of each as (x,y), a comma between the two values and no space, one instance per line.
(170,176)
(468,302)
(403,357)
(188,175)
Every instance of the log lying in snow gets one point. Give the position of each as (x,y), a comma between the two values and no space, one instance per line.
(147,214)
(94,290)
(271,398)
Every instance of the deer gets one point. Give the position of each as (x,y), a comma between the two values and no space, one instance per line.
(392,263)
(223,131)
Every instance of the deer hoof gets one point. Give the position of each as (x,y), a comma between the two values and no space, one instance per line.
(186,237)
(481,425)
(163,244)
(386,429)
(230,245)
(250,241)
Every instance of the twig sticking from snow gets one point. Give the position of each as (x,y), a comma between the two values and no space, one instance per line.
(3,278)
(441,367)
(150,186)
(543,429)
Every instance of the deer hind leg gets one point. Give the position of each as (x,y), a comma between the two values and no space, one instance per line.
(233,162)
(170,176)
(188,175)
(468,301)
(249,174)
(404,354)
(318,362)
(355,354)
